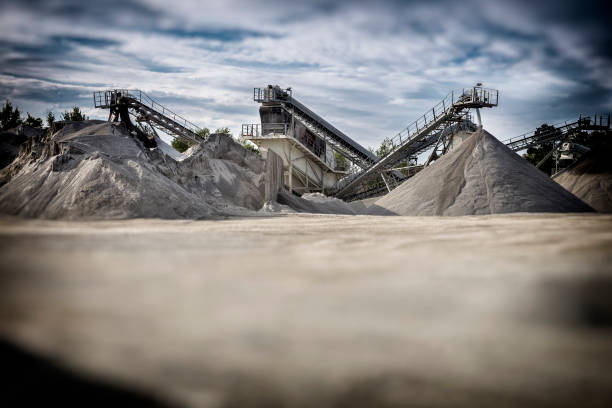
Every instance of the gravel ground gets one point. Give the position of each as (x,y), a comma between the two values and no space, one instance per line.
(319,310)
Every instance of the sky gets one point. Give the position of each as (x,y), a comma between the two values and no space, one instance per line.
(368,67)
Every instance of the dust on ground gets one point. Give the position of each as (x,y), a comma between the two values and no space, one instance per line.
(322,311)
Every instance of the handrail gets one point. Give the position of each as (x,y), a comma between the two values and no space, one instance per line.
(277,95)
(445,106)
(448,106)
(146,100)
(559,125)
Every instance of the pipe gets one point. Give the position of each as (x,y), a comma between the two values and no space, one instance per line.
(478,118)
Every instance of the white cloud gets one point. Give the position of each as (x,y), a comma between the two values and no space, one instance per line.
(368,69)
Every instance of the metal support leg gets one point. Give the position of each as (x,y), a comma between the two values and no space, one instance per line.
(386,182)
(478,118)
(290,169)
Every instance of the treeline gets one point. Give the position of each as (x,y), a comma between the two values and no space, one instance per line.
(181,145)
(10,117)
(593,139)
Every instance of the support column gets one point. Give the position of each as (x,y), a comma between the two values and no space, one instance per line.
(290,169)
(385,180)
(478,118)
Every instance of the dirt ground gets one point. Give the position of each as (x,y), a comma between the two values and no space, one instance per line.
(319,310)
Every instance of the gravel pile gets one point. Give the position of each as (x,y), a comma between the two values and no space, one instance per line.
(481,176)
(591,181)
(96,170)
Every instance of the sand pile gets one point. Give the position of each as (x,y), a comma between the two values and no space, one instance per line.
(95,169)
(316,203)
(591,180)
(482,176)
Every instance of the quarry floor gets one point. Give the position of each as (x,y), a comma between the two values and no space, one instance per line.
(319,310)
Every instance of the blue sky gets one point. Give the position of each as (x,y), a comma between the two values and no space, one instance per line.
(368,67)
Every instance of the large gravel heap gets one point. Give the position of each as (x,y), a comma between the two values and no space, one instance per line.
(482,176)
(95,169)
(591,180)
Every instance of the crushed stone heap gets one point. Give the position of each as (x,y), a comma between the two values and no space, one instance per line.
(591,180)
(96,170)
(481,176)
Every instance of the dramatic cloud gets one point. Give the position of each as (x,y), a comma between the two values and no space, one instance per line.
(370,68)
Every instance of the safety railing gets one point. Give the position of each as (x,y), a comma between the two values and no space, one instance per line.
(466,97)
(106,99)
(453,103)
(264,130)
(274,130)
(270,94)
(557,130)
(250,130)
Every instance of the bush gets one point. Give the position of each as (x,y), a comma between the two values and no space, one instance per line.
(9,117)
(248,144)
(203,133)
(32,121)
(76,115)
(224,131)
(50,118)
(180,145)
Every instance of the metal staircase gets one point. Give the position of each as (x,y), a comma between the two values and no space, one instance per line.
(423,132)
(144,108)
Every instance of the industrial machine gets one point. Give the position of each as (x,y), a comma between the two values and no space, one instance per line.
(288,126)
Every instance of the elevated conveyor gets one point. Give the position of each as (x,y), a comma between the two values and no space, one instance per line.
(558,132)
(422,133)
(144,108)
(273,95)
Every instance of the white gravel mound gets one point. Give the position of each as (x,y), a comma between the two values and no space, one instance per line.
(96,170)
(591,180)
(482,176)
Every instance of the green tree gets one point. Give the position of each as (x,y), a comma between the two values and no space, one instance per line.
(341,161)
(546,134)
(32,121)
(247,144)
(180,145)
(203,133)
(598,139)
(385,148)
(50,118)
(76,115)
(9,117)
(224,130)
